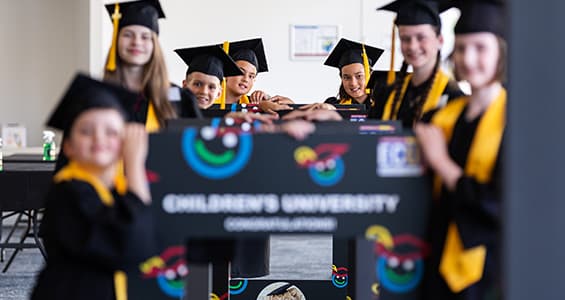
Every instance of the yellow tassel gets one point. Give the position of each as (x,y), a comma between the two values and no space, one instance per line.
(391,75)
(367,69)
(223,96)
(116,16)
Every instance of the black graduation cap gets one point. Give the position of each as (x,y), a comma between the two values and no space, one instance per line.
(479,16)
(280,290)
(210,60)
(251,51)
(414,12)
(141,12)
(348,52)
(86,93)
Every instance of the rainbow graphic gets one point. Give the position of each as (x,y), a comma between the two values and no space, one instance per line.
(169,269)
(234,148)
(324,163)
(398,272)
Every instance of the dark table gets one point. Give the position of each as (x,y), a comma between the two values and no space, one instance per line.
(24,183)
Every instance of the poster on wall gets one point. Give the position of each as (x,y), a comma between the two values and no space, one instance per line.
(312,41)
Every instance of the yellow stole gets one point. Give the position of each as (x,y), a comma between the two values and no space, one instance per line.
(463,267)
(349,101)
(432,101)
(151,123)
(242,100)
(74,171)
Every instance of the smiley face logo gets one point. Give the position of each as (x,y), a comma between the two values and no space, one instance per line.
(340,276)
(217,153)
(169,269)
(324,163)
(400,265)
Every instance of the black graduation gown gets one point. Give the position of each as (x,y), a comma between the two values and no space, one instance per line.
(476,209)
(335,101)
(186,106)
(183,101)
(406,112)
(87,241)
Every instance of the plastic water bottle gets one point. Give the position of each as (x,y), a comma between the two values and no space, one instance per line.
(49,149)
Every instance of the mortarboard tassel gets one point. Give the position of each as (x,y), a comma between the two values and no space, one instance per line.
(391,75)
(366,68)
(116,16)
(223,96)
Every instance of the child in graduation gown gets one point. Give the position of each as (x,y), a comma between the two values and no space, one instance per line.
(97,224)
(207,67)
(428,87)
(462,146)
(354,61)
(136,61)
(249,55)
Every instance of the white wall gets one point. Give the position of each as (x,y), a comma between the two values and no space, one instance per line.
(192,23)
(43,44)
(46,41)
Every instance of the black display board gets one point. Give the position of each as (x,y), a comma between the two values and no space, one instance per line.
(219,182)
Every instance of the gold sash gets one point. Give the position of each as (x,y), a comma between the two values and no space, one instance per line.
(244,100)
(74,171)
(486,142)
(463,267)
(151,124)
(432,101)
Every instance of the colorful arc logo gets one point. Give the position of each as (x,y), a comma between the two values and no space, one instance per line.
(169,269)
(398,272)
(238,286)
(324,163)
(402,277)
(216,165)
(340,277)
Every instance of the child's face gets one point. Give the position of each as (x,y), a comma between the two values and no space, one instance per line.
(419,44)
(476,57)
(95,139)
(206,88)
(135,45)
(353,79)
(241,85)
